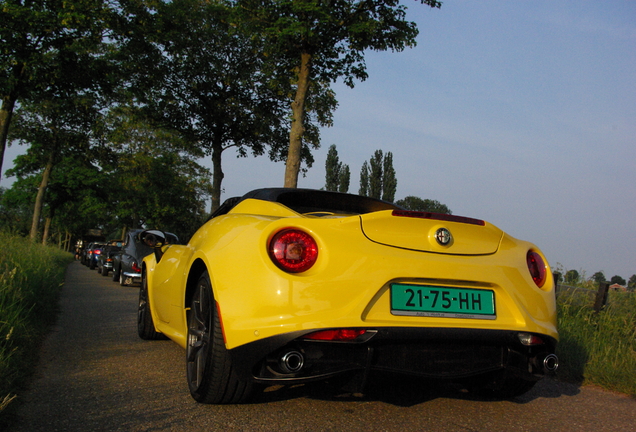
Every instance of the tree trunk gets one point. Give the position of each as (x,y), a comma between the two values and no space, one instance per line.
(47,228)
(39,199)
(217,175)
(6,112)
(8,104)
(292,167)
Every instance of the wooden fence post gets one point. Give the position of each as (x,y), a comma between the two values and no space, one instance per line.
(557,279)
(601,296)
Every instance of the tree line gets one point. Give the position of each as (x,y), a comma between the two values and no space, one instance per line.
(116,99)
(575,278)
(378,180)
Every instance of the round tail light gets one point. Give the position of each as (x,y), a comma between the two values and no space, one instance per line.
(537,269)
(293,251)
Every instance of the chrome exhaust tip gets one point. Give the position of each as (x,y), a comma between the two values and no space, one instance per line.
(291,362)
(550,363)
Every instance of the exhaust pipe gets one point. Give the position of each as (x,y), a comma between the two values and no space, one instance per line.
(550,363)
(291,362)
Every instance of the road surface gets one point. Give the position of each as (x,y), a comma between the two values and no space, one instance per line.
(95,374)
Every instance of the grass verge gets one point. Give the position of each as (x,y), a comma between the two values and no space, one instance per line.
(31,277)
(598,348)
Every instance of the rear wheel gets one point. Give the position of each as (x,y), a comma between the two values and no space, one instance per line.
(211,377)
(116,272)
(145,324)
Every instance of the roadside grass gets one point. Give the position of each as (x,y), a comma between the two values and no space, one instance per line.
(31,277)
(598,348)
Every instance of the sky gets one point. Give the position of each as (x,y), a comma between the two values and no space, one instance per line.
(522,113)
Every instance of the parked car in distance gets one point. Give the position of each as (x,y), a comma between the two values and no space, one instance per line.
(127,262)
(285,286)
(92,253)
(105,258)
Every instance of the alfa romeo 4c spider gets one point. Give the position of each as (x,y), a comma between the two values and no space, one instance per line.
(286,286)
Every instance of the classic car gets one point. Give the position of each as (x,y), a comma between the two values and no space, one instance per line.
(127,262)
(93,250)
(285,286)
(106,257)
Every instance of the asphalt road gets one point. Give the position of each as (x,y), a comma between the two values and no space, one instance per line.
(97,375)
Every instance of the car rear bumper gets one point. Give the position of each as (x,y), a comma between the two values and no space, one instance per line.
(136,277)
(440,353)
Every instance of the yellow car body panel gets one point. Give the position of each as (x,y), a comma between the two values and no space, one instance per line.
(268,315)
(347,287)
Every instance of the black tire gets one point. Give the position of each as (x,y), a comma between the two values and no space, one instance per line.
(116,274)
(145,324)
(211,377)
(122,278)
(91,265)
(104,271)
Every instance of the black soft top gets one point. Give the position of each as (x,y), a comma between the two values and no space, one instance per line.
(311,200)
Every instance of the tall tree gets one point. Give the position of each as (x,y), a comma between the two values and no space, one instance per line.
(53,129)
(155,180)
(207,81)
(389,180)
(364,179)
(332,169)
(377,177)
(337,174)
(344,179)
(40,39)
(323,41)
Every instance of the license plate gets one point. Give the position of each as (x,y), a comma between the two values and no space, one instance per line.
(435,301)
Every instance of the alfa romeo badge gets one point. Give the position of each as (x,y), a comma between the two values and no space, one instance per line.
(443,236)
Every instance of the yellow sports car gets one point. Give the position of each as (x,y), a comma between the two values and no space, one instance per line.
(283,286)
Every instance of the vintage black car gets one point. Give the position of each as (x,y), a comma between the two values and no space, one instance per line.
(105,258)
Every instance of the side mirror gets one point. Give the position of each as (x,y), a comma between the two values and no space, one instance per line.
(155,239)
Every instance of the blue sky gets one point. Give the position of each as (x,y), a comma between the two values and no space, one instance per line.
(522,113)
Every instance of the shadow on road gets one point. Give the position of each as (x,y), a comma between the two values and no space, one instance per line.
(404,391)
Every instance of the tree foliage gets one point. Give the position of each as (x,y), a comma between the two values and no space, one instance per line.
(364,179)
(337,175)
(154,179)
(427,205)
(616,279)
(320,42)
(48,44)
(572,277)
(599,277)
(389,180)
(377,177)
(55,128)
(208,81)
